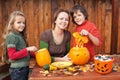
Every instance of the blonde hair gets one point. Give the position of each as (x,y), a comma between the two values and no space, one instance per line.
(8,30)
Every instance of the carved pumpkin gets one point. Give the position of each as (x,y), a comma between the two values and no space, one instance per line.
(103,66)
(79,55)
(43,57)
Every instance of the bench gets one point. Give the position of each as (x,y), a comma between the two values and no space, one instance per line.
(4,72)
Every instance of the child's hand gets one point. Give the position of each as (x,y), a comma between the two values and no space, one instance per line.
(32,48)
(84,32)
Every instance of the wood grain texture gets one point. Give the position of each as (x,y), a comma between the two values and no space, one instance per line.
(114,29)
(39,14)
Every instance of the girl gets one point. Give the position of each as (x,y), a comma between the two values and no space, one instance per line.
(84,27)
(57,39)
(18,53)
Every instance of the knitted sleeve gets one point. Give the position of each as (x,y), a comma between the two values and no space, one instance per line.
(96,33)
(14,55)
(11,43)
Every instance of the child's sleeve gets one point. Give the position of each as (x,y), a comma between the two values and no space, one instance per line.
(96,33)
(11,43)
(14,55)
(32,54)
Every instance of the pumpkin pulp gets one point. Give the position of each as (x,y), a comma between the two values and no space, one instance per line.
(79,54)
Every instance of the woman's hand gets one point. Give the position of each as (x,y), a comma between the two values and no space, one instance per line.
(66,58)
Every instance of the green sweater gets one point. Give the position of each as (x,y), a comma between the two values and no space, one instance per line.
(15,40)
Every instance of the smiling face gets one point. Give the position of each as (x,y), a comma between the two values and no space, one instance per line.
(19,23)
(62,20)
(78,17)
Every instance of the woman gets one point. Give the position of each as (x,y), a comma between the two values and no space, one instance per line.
(57,39)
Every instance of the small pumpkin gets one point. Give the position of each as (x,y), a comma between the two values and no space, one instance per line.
(49,67)
(43,57)
(79,55)
(103,65)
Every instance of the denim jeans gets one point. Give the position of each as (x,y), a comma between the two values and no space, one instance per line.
(19,73)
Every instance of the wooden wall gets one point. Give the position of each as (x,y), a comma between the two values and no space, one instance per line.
(39,17)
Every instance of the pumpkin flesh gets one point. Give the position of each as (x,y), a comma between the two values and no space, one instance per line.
(43,57)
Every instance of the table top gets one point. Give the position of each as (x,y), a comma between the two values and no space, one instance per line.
(36,75)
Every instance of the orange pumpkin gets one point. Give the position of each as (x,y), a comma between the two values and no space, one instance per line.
(103,65)
(43,57)
(79,55)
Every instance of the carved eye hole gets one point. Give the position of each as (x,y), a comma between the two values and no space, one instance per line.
(98,64)
(105,65)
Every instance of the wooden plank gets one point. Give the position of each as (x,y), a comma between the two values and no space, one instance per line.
(36,14)
(103,13)
(1,29)
(5,77)
(4,68)
(114,32)
(99,24)
(30,24)
(47,14)
(72,25)
(61,4)
(4,19)
(54,7)
(118,49)
(108,20)
(39,15)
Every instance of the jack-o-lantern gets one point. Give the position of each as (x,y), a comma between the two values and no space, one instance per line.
(79,54)
(103,64)
(43,57)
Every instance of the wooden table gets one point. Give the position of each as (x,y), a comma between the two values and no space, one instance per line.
(36,75)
